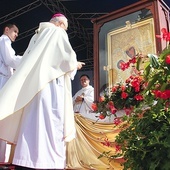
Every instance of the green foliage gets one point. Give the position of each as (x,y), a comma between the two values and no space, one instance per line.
(145,136)
(145,143)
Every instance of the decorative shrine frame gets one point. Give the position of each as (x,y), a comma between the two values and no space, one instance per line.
(124,43)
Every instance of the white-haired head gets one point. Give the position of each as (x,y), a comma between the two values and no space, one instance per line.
(60,20)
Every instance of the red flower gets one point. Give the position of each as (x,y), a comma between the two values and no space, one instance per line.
(165,35)
(101,98)
(138,97)
(128,80)
(157,93)
(167,59)
(128,111)
(113,110)
(101,116)
(167,104)
(123,88)
(124,95)
(114,89)
(136,83)
(137,88)
(110,103)
(106,142)
(162,94)
(164,31)
(118,148)
(94,107)
(165,94)
(117,121)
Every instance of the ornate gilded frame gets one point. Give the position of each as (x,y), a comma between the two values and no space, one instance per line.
(124,43)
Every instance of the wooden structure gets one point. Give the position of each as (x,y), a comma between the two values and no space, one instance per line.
(143,10)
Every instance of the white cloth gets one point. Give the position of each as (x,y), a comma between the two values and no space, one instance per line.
(84,107)
(48,57)
(8,62)
(8,59)
(41,132)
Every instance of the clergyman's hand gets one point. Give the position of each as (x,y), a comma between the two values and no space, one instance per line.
(80,65)
(79,99)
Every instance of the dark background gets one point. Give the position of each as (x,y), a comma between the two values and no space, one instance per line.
(27,14)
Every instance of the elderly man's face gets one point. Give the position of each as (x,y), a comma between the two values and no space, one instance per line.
(64,24)
(84,81)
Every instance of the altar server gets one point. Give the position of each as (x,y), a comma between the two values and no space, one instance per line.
(8,62)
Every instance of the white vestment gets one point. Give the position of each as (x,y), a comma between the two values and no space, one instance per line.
(8,62)
(8,59)
(36,110)
(84,107)
(41,131)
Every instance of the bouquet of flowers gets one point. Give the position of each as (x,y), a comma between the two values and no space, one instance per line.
(122,96)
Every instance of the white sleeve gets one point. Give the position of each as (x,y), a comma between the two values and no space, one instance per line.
(10,58)
(72,74)
(89,99)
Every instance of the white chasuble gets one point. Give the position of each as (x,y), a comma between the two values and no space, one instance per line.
(48,57)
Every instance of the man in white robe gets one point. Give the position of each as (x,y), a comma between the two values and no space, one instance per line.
(83,99)
(8,62)
(40,111)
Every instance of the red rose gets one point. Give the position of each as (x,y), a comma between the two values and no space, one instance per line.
(124,95)
(167,59)
(157,93)
(101,116)
(113,109)
(123,88)
(101,98)
(114,89)
(94,107)
(138,97)
(110,103)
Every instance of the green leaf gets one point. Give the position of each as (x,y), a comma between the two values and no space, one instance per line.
(147,71)
(152,81)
